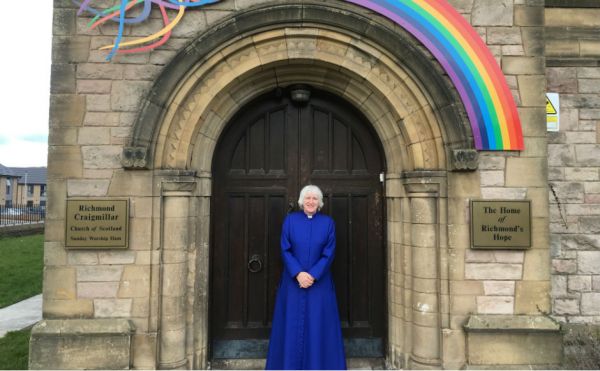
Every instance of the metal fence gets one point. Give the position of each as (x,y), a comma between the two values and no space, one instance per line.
(22,214)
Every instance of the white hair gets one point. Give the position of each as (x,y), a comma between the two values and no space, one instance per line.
(310,189)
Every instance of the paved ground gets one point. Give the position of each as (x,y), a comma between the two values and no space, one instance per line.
(20,315)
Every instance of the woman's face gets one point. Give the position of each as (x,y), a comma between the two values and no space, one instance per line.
(310,203)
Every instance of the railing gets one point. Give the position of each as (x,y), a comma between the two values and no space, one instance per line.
(22,214)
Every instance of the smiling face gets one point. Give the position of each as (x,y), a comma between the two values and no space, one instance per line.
(310,203)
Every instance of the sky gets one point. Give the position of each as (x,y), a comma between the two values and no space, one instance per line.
(25,81)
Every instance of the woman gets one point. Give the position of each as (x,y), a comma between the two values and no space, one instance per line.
(306,331)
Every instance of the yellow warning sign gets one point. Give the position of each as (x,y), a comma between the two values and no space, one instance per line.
(550,110)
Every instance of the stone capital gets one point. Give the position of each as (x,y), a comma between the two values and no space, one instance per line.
(181,188)
(425,183)
(177,182)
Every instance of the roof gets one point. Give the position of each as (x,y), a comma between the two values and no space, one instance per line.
(6,171)
(35,175)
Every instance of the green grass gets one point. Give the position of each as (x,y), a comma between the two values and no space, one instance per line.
(14,350)
(21,268)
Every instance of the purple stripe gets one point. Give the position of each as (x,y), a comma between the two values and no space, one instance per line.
(83,6)
(439,56)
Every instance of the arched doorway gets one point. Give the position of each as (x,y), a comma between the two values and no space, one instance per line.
(414,111)
(270,149)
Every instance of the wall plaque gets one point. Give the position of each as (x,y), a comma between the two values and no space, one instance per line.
(500,224)
(93,223)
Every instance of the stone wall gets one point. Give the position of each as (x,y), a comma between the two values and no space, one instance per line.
(21,230)
(513,282)
(573,56)
(95,104)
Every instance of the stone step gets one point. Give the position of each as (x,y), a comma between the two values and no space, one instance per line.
(259,364)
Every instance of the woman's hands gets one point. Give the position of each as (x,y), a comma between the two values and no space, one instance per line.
(305,280)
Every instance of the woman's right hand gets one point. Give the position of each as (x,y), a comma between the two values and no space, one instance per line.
(305,280)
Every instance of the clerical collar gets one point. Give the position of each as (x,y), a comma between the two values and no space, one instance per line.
(310,216)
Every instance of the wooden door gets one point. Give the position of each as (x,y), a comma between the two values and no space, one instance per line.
(271,149)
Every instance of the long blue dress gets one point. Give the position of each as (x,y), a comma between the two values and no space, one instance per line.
(306,332)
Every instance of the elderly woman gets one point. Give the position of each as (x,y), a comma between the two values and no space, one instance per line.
(306,332)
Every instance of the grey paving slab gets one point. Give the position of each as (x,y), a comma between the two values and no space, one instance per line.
(20,315)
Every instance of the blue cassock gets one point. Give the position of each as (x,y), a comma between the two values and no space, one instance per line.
(306,331)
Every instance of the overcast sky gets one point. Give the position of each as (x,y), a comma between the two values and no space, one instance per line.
(25,81)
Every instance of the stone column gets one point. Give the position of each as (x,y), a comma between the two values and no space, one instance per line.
(397,333)
(201,291)
(423,192)
(177,197)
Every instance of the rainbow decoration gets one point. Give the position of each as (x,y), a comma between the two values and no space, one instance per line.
(469,63)
(444,32)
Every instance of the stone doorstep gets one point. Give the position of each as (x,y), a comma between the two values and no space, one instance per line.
(513,341)
(259,364)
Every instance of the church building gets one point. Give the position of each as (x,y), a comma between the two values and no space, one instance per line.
(456,142)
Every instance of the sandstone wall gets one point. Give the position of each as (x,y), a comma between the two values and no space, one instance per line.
(573,56)
(512,282)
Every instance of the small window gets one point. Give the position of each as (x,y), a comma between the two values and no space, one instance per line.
(30,190)
(43,190)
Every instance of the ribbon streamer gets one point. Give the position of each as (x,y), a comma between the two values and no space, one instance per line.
(118,14)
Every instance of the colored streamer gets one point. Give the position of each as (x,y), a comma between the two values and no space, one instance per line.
(119,14)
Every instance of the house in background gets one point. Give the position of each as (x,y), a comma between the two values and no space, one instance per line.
(22,186)
(31,185)
(8,186)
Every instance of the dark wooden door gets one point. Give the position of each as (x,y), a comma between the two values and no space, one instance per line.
(266,155)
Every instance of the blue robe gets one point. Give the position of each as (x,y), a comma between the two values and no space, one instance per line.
(306,332)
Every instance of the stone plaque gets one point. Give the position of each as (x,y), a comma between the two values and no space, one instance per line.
(500,224)
(94,223)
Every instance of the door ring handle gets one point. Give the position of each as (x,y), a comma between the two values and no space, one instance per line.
(255,264)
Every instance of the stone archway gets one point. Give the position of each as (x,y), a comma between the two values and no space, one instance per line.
(415,113)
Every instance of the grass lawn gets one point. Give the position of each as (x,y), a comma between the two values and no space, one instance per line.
(21,268)
(14,350)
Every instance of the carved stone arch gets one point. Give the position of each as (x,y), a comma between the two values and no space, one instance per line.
(363,58)
(379,41)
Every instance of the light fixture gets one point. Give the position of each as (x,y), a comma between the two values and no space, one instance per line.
(300,93)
